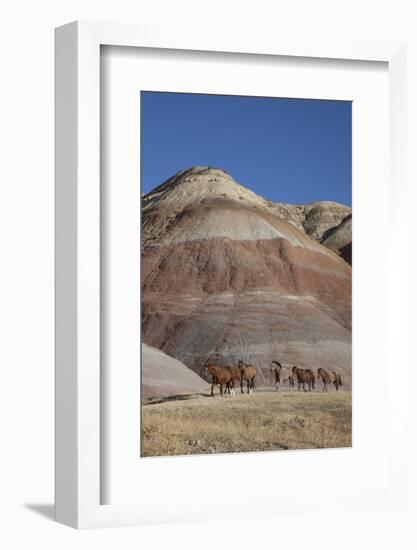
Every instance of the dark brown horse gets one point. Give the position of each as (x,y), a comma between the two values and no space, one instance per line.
(332,377)
(304,376)
(223,376)
(282,375)
(247,373)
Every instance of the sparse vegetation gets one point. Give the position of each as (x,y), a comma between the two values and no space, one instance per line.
(263,421)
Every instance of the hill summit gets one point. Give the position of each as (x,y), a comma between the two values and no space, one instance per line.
(199,183)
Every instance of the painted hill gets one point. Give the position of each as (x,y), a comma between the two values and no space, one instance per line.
(225,275)
(339,239)
(164,376)
(318,220)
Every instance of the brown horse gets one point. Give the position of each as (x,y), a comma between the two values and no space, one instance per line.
(332,377)
(235,378)
(282,375)
(247,373)
(304,376)
(223,376)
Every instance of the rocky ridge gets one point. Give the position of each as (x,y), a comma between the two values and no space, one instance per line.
(198,184)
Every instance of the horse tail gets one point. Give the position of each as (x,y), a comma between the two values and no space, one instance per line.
(312,384)
(339,379)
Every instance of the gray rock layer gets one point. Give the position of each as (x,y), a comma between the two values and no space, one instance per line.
(164,376)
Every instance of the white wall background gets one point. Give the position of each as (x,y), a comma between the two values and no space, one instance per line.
(26,268)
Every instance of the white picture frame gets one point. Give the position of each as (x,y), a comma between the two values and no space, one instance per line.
(78,405)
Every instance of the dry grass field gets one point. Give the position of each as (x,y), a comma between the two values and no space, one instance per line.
(262,421)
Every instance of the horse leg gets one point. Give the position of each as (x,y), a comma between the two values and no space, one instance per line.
(241,385)
(221,389)
(248,386)
(212,392)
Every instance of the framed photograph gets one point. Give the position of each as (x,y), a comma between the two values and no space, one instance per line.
(225,335)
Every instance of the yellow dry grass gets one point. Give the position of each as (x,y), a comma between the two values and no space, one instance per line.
(263,421)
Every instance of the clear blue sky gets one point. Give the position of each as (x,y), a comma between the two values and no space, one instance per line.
(287,150)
